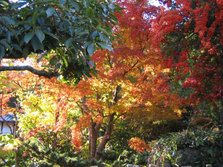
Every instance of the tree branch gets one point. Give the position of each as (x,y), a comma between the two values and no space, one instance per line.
(30,69)
(131,68)
(116,95)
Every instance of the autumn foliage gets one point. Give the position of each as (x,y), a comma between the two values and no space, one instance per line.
(195,28)
(138,145)
(164,60)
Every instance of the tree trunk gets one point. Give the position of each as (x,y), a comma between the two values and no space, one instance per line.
(92,140)
(96,151)
(105,138)
(93,136)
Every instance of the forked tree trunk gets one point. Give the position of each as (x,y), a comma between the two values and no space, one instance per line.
(105,138)
(96,149)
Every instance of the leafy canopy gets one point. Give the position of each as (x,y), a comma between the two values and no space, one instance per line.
(74,29)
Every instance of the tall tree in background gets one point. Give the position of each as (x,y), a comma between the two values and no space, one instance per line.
(189,35)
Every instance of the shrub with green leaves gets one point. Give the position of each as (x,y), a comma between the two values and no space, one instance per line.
(194,147)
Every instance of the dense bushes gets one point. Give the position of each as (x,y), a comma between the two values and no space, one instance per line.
(190,147)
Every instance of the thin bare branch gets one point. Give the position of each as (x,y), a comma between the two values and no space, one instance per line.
(30,69)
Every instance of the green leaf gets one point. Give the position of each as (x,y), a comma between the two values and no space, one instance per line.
(94,34)
(9,20)
(103,37)
(5,43)
(17,47)
(105,46)
(50,11)
(65,63)
(37,45)
(132,78)
(68,42)
(51,34)
(83,33)
(90,12)
(40,35)
(111,6)
(4,4)
(18,5)
(28,37)
(102,29)
(2,52)
(90,49)
(62,2)
(76,6)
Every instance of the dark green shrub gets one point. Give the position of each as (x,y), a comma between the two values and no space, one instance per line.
(194,147)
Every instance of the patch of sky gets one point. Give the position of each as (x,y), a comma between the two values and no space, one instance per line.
(154,2)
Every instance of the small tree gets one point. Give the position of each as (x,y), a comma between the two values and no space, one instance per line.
(130,79)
